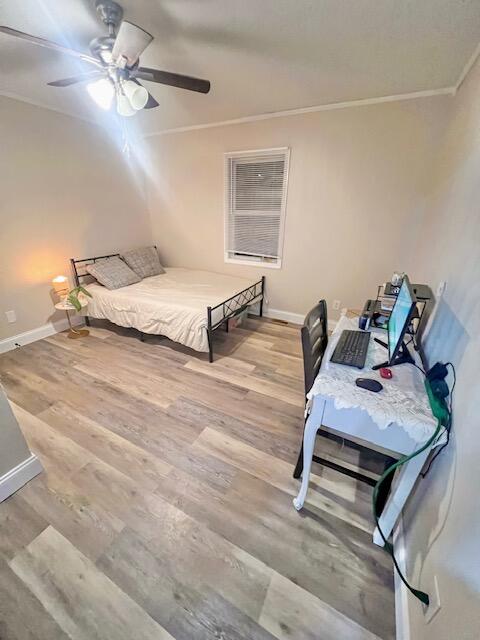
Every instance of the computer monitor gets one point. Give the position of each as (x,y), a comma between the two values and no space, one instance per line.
(400,319)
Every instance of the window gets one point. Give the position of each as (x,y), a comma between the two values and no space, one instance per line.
(255,203)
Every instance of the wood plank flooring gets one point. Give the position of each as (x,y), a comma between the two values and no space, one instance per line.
(165,509)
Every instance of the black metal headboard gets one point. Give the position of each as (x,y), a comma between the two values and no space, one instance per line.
(79,266)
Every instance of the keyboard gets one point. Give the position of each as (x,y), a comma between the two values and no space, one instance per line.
(351,348)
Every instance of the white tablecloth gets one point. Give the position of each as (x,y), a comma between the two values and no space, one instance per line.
(402,401)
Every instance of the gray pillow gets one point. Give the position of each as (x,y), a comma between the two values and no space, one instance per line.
(113,273)
(144,262)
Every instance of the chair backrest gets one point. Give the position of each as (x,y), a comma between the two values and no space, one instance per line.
(314,342)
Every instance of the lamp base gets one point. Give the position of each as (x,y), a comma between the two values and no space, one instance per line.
(73,334)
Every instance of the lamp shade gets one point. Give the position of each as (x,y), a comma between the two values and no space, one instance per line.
(124,107)
(137,94)
(61,286)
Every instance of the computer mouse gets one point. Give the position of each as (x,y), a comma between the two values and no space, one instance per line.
(386,373)
(369,384)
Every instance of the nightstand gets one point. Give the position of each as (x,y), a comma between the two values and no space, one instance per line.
(72,333)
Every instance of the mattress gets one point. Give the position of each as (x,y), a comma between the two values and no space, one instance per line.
(173,304)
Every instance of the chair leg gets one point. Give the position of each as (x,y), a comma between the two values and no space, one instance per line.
(309,436)
(299,466)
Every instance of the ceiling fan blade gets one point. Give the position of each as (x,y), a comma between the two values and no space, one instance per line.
(151,102)
(50,45)
(173,79)
(82,77)
(130,43)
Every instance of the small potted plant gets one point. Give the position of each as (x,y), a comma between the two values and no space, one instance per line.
(73,297)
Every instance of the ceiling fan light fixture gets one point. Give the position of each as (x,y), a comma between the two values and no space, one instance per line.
(136,94)
(102,92)
(124,107)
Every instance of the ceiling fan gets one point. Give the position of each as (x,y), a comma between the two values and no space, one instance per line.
(116,58)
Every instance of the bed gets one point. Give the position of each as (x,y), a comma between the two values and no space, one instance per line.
(184,305)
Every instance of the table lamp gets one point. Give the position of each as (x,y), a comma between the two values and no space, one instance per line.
(61,286)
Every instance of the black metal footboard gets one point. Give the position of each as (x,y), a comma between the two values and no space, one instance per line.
(233,307)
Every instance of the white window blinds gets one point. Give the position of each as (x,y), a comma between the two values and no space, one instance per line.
(256,190)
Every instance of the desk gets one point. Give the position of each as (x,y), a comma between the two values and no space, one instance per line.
(396,421)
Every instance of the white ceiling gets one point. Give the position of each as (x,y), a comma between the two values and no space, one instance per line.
(261,56)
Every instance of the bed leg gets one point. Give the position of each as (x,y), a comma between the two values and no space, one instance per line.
(226,325)
(263,296)
(87,321)
(142,337)
(210,334)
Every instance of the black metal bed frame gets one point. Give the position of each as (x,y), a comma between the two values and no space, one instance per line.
(231,307)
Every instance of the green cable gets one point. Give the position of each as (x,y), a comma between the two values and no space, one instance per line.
(441,412)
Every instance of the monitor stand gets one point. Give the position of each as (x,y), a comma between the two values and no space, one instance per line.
(403,356)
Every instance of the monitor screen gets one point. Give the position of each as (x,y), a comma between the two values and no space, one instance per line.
(400,317)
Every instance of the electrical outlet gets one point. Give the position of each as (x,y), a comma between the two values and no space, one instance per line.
(11,316)
(435,605)
(336,304)
(441,289)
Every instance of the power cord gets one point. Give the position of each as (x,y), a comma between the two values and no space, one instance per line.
(443,414)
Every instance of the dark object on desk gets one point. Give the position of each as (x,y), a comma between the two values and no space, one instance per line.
(398,325)
(369,384)
(351,349)
(391,289)
(386,373)
(365,320)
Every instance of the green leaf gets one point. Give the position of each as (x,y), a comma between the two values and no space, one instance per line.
(84,291)
(74,301)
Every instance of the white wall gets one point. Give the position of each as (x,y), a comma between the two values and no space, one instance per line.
(66,190)
(354,197)
(13,447)
(443,520)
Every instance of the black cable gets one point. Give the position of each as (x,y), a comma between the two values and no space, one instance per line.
(419,368)
(454,373)
(421,595)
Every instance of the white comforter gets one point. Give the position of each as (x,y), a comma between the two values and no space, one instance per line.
(173,304)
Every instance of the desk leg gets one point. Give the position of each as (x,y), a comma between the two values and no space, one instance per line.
(402,486)
(312,425)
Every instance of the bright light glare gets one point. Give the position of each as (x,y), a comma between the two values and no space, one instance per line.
(137,94)
(124,106)
(102,91)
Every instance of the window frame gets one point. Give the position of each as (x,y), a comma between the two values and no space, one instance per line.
(255,153)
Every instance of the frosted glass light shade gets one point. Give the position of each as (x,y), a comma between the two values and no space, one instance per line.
(124,107)
(60,286)
(137,94)
(102,91)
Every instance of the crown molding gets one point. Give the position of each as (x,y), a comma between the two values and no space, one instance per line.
(332,106)
(468,67)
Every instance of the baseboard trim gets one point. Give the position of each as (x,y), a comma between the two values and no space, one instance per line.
(402,621)
(14,479)
(49,329)
(294,318)
(286,316)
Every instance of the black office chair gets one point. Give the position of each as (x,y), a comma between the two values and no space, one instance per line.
(314,342)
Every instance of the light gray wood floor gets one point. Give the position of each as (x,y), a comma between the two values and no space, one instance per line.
(165,509)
